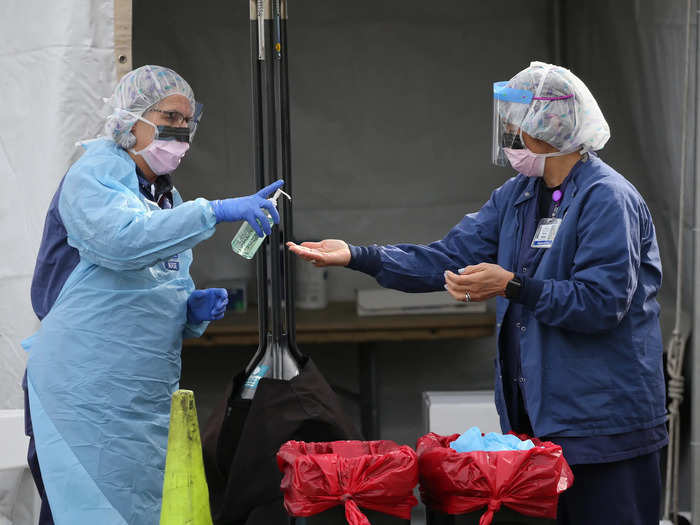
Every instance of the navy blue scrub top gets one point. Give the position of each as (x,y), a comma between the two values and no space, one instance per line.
(591,449)
(57,259)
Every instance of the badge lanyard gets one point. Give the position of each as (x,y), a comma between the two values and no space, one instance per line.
(548,227)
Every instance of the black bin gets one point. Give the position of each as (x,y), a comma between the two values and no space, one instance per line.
(336,516)
(504,516)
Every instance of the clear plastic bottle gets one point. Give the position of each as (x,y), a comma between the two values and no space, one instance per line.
(246,242)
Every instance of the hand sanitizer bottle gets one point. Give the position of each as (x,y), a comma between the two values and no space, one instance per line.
(246,242)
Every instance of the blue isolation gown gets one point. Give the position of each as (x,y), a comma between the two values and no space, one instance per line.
(106,360)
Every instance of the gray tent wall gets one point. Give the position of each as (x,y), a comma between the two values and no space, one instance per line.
(631,54)
(390,136)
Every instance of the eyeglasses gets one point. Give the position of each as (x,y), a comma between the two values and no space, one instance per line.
(512,141)
(175,118)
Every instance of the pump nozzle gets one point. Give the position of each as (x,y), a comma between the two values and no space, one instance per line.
(277,194)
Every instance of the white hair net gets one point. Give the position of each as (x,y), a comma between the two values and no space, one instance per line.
(569,123)
(138,91)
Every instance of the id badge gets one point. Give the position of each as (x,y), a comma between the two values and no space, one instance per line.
(546,231)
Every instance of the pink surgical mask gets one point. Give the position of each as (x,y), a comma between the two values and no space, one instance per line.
(526,162)
(163,156)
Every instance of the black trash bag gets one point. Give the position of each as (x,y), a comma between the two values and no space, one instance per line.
(504,516)
(336,516)
(241,439)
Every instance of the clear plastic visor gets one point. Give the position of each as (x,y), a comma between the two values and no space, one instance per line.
(510,107)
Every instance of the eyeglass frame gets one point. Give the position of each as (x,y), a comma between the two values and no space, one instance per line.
(186,120)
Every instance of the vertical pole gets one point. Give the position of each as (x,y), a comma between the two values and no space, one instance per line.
(260,17)
(271,161)
(123,23)
(258,165)
(695,395)
(270,117)
(677,345)
(286,168)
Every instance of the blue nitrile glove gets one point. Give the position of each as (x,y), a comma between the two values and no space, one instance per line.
(249,208)
(472,440)
(206,305)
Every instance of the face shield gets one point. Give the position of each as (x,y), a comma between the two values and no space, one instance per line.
(551,104)
(518,110)
(510,108)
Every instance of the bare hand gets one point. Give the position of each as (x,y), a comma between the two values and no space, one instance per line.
(329,252)
(482,281)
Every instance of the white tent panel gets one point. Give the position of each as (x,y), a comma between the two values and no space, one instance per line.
(57,61)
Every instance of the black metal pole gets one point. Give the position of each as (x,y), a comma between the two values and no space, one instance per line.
(270,116)
(258,166)
(271,161)
(286,168)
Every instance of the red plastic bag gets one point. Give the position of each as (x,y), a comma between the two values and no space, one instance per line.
(527,481)
(377,475)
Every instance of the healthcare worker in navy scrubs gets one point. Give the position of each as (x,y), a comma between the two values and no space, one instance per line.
(568,248)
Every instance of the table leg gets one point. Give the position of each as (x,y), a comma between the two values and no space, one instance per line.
(369,386)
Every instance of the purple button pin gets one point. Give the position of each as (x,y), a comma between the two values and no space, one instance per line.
(556,196)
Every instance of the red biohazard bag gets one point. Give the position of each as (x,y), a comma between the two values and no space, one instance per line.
(377,475)
(527,481)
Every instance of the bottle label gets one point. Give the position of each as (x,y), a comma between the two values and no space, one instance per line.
(255,377)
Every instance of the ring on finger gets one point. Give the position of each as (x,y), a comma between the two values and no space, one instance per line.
(467,297)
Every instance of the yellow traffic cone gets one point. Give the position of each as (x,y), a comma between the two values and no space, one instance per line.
(185,492)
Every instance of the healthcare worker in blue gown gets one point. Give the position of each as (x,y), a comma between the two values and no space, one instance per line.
(568,248)
(113,289)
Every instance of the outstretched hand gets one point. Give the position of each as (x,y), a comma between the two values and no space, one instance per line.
(329,252)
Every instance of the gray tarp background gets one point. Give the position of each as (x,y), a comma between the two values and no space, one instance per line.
(631,54)
(391,122)
(391,111)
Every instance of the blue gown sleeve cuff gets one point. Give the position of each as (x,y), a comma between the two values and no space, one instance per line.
(209,213)
(365,259)
(194,330)
(530,292)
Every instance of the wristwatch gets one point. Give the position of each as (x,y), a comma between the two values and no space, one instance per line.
(513,288)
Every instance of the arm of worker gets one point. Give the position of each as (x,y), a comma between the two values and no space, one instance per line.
(412,267)
(604,274)
(108,224)
(204,306)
